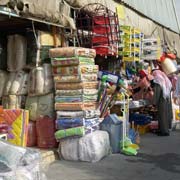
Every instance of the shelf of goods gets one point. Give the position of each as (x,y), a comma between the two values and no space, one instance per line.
(98,29)
(152,49)
(130,47)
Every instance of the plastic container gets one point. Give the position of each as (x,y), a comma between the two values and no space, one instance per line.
(168,66)
(45,128)
(113,125)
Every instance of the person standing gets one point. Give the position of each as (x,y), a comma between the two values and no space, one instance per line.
(162,99)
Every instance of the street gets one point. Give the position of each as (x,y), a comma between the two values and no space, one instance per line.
(158,159)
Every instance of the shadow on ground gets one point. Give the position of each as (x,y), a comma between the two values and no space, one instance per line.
(167,162)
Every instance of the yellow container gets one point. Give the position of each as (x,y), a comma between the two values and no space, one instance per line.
(142,129)
(177,114)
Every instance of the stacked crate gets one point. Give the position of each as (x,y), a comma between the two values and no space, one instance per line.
(131,43)
(98,30)
(76,88)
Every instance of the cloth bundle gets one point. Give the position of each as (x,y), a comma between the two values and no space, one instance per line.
(3,78)
(71,61)
(75,76)
(41,80)
(91,148)
(13,102)
(76,131)
(75,86)
(16,51)
(71,52)
(68,123)
(17,83)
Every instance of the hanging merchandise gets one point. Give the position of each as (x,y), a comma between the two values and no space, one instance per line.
(152,49)
(130,47)
(97,28)
(16,52)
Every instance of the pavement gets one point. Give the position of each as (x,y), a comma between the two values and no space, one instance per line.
(158,159)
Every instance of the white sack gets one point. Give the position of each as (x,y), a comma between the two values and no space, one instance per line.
(17,82)
(49,82)
(69,149)
(3,79)
(94,146)
(16,50)
(23,89)
(9,83)
(40,106)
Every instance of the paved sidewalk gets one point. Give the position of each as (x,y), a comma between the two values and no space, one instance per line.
(158,159)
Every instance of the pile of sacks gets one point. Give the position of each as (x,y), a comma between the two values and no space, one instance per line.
(76,86)
(18,163)
(77,113)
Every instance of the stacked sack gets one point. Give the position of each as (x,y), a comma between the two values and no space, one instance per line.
(40,103)
(77,123)
(14,84)
(76,86)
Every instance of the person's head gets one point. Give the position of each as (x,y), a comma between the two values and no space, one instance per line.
(142,74)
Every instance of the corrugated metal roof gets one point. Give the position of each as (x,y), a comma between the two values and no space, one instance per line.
(161,11)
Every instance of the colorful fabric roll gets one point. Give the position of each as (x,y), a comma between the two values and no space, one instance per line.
(69,92)
(85,69)
(69,123)
(77,131)
(64,79)
(78,106)
(75,86)
(64,99)
(67,70)
(89,77)
(71,52)
(70,61)
(90,98)
(91,122)
(91,113)
(69,114)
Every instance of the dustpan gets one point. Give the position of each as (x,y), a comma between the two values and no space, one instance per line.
(133,136)
(127,150)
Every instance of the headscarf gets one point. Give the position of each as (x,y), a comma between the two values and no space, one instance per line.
(161,79)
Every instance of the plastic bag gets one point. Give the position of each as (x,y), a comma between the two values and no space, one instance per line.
(11,155)
(16,48)
(3,79)
(69,149)
(93,147)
